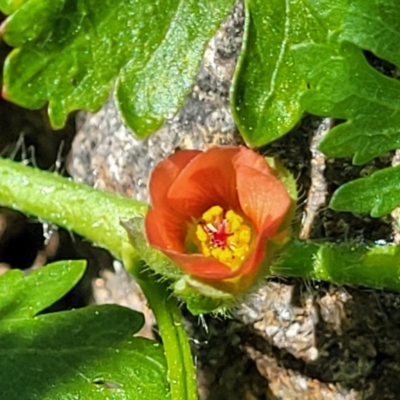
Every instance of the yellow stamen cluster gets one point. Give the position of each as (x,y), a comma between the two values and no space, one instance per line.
(224,235)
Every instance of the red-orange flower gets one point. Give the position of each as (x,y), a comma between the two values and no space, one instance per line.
(213,212)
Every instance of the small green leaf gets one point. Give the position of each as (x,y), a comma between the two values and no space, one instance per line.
(201,298)
(87,354)
(378,194)
(267,85)
(24,297)
(70,53)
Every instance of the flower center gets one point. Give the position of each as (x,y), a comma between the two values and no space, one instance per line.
(224,235)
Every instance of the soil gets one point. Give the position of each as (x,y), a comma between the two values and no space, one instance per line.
(291,339)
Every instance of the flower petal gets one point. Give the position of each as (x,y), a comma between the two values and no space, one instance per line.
(163,223)
(253,261)
(207,181)
(263,198)
(249,158)
(200,266)
(165,173)
(209,268)
(153,231)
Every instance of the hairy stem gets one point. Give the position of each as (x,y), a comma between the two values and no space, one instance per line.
(342,263)
(90,213)
(181,371)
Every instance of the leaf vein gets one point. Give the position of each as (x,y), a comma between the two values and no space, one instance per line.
(279,60)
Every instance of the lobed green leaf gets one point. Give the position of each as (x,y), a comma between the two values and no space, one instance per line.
(342,83)
(71,54)
(88,353)
(377,194)
(267,85)
(308,56)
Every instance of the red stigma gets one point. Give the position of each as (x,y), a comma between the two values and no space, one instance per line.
(218,234)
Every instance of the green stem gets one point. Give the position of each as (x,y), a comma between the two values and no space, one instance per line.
(97,216)
(342,263)
(90,213)
(181,371)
